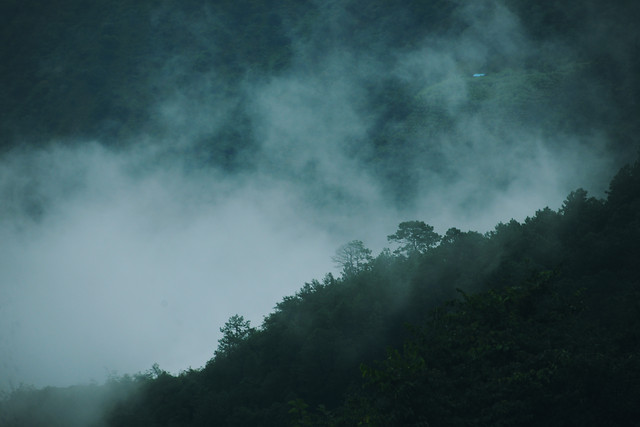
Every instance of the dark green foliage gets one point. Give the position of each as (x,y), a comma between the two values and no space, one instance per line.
(415,237)
(234,332)
(537,330)
(560,348)
(540,328)
(352,257)
(527,355)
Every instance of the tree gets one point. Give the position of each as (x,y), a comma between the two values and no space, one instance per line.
(352,257)
(235,331)
(415,236)
(451,235)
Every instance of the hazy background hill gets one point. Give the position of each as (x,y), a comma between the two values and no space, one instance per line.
(99,71)
(559,77)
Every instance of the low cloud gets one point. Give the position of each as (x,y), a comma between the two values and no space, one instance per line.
(131,268)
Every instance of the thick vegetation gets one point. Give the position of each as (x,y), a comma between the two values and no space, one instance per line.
(543,332)
(534,323)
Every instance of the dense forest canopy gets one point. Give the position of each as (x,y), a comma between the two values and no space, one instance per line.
(532,323)
(146,147)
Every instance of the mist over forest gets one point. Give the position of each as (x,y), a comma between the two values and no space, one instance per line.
(166,165)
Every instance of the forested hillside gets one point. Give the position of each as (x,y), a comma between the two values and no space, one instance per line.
(544,331)
(533,323)
(346,106)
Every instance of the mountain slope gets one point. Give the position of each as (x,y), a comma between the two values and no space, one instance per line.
(546,315)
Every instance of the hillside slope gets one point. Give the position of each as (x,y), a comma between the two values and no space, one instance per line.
(541,314)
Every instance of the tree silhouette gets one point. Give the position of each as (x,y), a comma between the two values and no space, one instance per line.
(415,237)
(352,257)
(234,331)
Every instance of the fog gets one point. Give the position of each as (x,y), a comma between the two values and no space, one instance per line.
(131,269)
(112,260)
